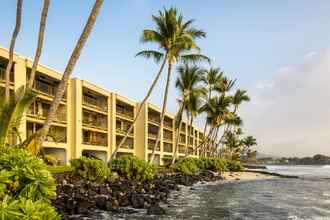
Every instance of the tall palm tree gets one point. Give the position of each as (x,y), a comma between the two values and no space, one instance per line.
(69,68)
(41,35)
(212,79)
(12,47)
(12,111)
(239,97)
(176,40)
(187,83)
(248,142)
(217,110)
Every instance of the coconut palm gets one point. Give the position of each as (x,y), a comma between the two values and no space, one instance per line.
(224,85)
(69,68)
(217,110)
(239,97)
(12,47)
(176,40)
(12,111)
(187,83)
(248,142)
(41,35)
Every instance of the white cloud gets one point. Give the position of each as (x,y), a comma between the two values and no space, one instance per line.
(291,114)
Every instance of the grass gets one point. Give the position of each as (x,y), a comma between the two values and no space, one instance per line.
(59,169)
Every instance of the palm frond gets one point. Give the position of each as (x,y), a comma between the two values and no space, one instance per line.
(155,55)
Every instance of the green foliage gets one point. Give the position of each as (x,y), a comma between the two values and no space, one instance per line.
(26,209)
(193,165)
(187,166)
(132,167)
(235,166)
(12,112)
(90,169)
(50,160)
(25,176)
(59,169)
(214,164)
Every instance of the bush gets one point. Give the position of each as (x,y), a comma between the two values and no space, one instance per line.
(131,167)
(26,209)
(51,160)
(235,166)
(90,169)
(188,165)
(213,164)
(25,176)
(26,186)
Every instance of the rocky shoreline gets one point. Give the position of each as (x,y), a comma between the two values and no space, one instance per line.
(78,198)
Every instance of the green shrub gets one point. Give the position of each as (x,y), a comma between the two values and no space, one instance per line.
(90,169)
(235,166)
(213,164)
(131,167)
(188,165)
(26,209)
(24,176)
(51,160)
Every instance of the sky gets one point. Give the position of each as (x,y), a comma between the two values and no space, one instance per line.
(277,50)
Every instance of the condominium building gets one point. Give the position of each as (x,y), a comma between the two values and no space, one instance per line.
(92,120)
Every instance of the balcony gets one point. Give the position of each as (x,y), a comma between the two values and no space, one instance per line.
(94,138)
(40,110)
(125,110)
(152,131)
(94,100)
(122,127)
(191,141)
(190,150)
(151,145)
(168,147)
(154,116)
(168,123)
(183,128)
(182,149)
(3,73)
(182,139)
(168,136)
(95,120)
(56,134)
(44,88)
(128,144)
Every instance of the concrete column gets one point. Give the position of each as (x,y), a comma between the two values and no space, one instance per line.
(20,80)
(76,118)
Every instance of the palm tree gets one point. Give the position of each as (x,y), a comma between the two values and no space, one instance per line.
(176,40)
(69,68)
(12,47)
(212,79)
(41,35)
(12,111)
(248,142)
(239,97)
(187,83)
(217,110)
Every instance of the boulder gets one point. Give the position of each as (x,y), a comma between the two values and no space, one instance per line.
(155,209)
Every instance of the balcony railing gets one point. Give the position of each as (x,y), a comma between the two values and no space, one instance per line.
(44,88)
(3,73)
(190,151)
(154,119)
(100,123)
(123,131)
(128,144)
(124,112)
(151,145)
(168,148)
(95,103)
(182,149)
(182,139)
(152,135)
(59,116)
(168,136)
(168,124)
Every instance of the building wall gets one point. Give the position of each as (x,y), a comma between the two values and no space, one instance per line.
(74,146)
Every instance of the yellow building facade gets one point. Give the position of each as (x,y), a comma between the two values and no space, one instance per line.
(92,120)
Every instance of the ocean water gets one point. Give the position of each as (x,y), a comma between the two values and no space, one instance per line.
(305,198)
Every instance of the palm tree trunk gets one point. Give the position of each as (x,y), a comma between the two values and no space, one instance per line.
(69,68)
(41,35)
(12,47)
(177,132)
(189,134)
(130,129)
(163,112)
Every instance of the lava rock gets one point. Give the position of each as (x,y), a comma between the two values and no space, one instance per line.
(155,209)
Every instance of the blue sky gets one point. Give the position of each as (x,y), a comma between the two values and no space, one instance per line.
(250,40)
